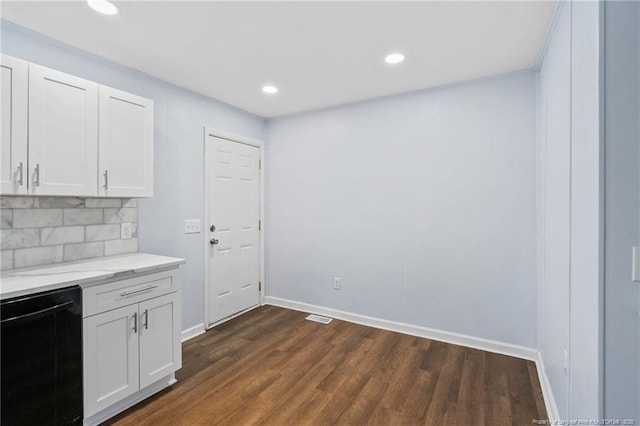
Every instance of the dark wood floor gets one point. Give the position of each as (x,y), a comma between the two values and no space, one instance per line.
(271,366)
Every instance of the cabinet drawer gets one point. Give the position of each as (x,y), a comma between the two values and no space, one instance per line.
(112,295)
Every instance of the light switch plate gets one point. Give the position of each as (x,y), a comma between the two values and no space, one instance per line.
(635,271)
(126,231)
(192,226)
(337,283)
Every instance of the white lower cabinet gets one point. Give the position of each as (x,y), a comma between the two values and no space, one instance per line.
(160,353)
(128,348)
(111,358)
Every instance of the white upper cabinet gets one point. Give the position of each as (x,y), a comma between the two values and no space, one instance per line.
(13,160)
(63,133)
(125,144)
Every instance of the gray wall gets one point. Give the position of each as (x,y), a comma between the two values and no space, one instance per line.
(569,211)
(622,209)
(424,205)
(180,117)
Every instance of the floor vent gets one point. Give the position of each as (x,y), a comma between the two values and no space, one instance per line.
(318,318)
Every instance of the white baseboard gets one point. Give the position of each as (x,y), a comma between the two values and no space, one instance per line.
(547,393)
(413,330)
(192,332)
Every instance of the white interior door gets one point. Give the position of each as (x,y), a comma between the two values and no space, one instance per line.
(234,211)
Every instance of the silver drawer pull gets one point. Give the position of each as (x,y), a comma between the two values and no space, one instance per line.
(36,175)
(20,181)
(140,290)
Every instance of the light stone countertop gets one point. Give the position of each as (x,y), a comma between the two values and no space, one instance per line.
(20,282)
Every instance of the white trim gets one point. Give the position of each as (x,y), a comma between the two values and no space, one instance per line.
(547,392)
(208,131)
(129,401)
(413,330)
(233,137)
(553,22)
(192,332)
(263,268)
(205,227)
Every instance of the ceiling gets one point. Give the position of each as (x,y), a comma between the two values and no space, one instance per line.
(319,54)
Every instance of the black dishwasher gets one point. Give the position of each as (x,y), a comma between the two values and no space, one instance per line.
(41,358)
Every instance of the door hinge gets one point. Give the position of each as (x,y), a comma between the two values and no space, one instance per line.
(260,164)
(260,225)
(259,285)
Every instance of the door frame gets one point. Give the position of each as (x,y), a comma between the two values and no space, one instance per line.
(209,131)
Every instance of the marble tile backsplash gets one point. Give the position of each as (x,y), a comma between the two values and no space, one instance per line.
(45,230)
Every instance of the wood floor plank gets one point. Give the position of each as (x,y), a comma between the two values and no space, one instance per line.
(300,379)
(498,408)
(470,407)
(287,388)
(270,366)
(341,400)
(520,392)
(447,386)
(383,416)
(536,389)
(365,403)
(418,398)
(404,376)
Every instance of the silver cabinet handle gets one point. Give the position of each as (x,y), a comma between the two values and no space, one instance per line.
(36,177)
(135,322)
(20,181)
(106,179)
(146,319)
(140,290)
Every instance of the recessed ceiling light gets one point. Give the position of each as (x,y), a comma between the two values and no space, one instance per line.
(103,6)
(270,89)
(394,58)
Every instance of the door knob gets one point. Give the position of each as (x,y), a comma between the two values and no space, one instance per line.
(213,241)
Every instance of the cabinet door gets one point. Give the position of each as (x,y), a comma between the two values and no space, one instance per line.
(160,346)
(110,357)
(125,144)
(63,133)
(13,160)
